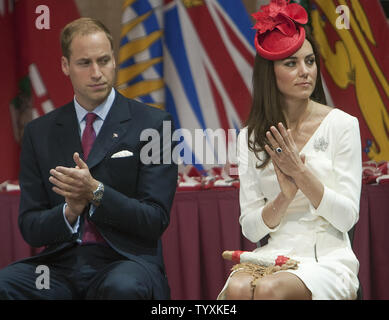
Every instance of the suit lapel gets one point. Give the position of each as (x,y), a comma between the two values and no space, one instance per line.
(66,135)
(112,130)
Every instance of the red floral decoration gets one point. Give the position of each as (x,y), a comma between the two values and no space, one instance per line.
(279,29)
(282,15)
(281,260)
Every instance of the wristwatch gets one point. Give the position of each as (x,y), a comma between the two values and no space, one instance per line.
(98,194)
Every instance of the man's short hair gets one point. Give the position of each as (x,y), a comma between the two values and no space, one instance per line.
(82,26)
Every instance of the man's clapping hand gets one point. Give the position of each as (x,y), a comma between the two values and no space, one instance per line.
(76,185)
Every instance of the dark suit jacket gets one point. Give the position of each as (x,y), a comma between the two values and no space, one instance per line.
(135,209)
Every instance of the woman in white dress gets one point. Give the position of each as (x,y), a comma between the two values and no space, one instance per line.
(300,169)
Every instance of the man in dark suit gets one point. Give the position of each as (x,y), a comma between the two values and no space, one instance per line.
(86,193)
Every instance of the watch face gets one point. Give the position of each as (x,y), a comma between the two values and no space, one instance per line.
(98,194)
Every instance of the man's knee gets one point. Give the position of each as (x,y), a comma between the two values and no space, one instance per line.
(21,281)
(4,285)
(11,283)
(124,287)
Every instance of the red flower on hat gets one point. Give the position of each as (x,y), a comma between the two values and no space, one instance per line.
(280,14)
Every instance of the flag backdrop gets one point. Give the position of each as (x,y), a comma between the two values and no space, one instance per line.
(199,71)
(356,67)
(193,58)
(140,74)
(32,82)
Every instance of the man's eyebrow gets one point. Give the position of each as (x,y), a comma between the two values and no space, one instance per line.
(88,59)
(104,57)
(83,59)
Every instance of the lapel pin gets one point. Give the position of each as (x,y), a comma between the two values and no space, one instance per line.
(115,135)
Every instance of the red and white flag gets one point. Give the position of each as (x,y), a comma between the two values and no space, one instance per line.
(32,82)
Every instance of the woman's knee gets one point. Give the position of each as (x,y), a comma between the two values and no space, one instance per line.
(281,286)
(268,289)
(239,287)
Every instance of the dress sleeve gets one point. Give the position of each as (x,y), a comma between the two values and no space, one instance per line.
(251,198)
(340,203)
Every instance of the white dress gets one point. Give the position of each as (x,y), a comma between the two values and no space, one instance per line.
(316,237)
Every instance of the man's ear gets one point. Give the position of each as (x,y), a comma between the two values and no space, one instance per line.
(65,65)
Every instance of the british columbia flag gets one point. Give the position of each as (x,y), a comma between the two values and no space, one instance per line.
(193,58)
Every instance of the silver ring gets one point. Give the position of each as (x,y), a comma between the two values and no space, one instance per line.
(278,150)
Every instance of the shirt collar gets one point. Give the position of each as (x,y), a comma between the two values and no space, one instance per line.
(101,110)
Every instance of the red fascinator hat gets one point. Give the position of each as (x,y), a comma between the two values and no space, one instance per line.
(279,29)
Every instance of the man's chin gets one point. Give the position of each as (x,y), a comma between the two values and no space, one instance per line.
(95,98)
(100,94)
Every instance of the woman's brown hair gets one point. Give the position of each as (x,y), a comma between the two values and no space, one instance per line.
(266,109)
